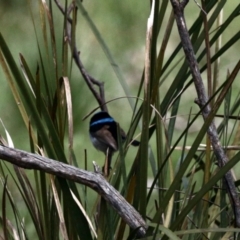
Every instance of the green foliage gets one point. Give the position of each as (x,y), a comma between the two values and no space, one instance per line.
(177,188)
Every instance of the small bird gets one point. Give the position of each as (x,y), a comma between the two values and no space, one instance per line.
(103,135)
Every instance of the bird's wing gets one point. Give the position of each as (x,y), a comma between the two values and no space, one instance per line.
(105,136)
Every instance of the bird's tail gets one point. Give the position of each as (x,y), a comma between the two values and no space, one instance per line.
(135,143)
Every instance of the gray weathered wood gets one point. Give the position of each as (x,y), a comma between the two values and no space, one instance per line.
(91,179)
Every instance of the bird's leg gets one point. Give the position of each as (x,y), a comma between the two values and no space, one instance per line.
(107,164)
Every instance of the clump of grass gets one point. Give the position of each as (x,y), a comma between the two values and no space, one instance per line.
(173,180)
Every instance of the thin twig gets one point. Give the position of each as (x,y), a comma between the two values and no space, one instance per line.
(90,81)
(203,147)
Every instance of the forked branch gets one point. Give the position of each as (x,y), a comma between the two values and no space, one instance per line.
(90,80)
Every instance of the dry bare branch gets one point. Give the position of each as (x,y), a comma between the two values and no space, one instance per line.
(94,180)
(178,7)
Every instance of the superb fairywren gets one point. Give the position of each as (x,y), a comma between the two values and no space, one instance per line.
(103,134)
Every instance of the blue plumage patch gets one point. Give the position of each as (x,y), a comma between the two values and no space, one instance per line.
(101,121)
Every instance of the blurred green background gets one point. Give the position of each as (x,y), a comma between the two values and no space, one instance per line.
(122,25)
